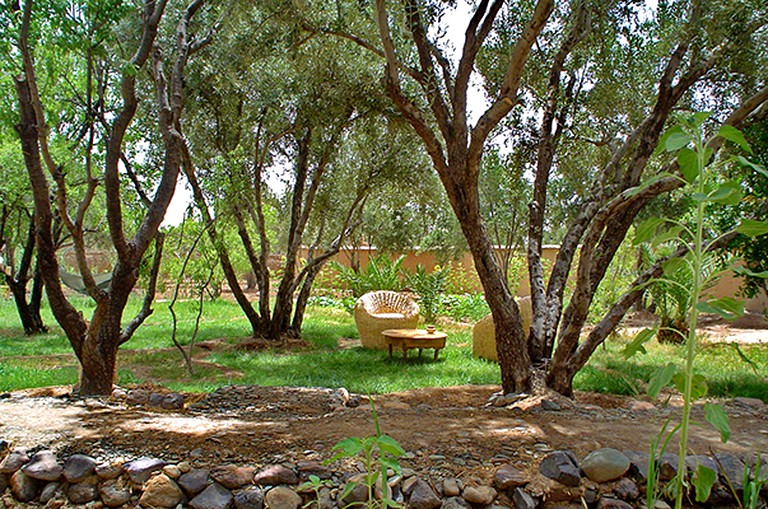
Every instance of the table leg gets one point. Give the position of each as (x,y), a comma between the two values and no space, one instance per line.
(390,350)
(405,352)
(436,351)
(419,352)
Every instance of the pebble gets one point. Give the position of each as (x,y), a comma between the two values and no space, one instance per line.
(455,503)
(451,487)
(612,503)
(523,500)
(172,471)
(282,498)
(507,476)
(111,470)
(480,495)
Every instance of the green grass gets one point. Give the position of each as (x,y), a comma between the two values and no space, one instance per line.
(48,360)
(727,375)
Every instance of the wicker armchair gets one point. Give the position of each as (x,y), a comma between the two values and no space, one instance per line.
(484,333)
(382,310)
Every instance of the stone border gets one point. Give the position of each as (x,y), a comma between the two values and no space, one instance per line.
(605,478)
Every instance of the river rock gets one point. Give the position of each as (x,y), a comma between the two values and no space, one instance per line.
(113,494)
(13,462)
(23,487)
(214,496)
(455,503)
(561,467)
(161,491)
(612,503)
(173,401)
(692,461)
(282,498)
(507,476)
(141,469)
(249,498)
(84,492)
(451,487)
(308,468)
(273,475)
(50,491)
(172,471)
(357,494)
(232,476)
(668,466)
(155,399)
(605,465)
(639,462)
(109,470)
(480,495)
(43,466)
(3,482)
(194,481)
(626,489)
(523,500)
(732,468)
(78,467)
(423,496)
(755,403)
(137,397)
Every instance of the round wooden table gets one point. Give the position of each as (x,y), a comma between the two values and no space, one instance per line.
(414,338)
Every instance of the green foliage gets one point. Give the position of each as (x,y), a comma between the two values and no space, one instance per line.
(381,273)
(429,287)
(378,453)
(469,307)
(690,276)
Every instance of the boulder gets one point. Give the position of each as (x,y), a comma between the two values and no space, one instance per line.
(13,462)
(484,334)
(84,492)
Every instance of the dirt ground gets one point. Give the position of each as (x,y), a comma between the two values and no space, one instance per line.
(445,431)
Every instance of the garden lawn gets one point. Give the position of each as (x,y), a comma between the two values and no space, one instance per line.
(330,359)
